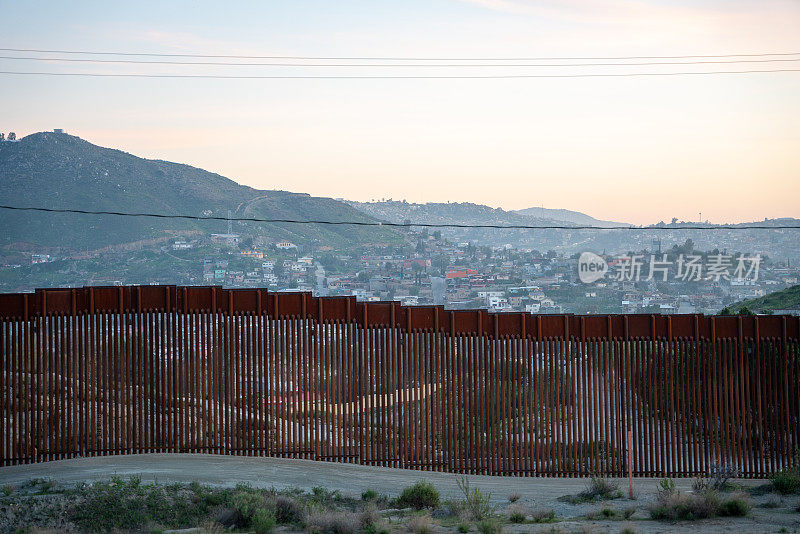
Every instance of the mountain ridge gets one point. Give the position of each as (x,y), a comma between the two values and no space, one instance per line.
(58,170)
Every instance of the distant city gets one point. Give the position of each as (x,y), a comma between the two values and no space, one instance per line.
(426,269)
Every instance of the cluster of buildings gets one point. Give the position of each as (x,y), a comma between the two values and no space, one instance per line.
(431,270)
(426,269)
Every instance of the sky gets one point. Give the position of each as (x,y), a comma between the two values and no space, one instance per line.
(634,149)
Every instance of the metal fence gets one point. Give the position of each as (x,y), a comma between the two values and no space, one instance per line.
(140,369)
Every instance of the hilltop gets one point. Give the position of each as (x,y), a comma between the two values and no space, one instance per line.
(57,170)
(469,213)
(569,216)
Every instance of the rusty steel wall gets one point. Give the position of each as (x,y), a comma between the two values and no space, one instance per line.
(137,369)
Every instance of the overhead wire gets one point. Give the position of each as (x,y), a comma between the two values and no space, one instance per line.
(400,225)
(394,65)
(395,58)
(388,77)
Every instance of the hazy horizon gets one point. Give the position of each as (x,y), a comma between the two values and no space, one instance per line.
(639,150)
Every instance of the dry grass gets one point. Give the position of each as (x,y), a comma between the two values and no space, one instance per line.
(421,524)
(332,522)
(674,505)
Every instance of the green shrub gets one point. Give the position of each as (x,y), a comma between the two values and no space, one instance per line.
(244,504)
(476,503)
(543,515)
(106,506)
(287,510)
(786,482)
(597,489)
(516,517)
(667,486)
(734,507)
(675,505)
(490,525)
(605,513)
(463,528)
(263,521)
(321,494)
(369,495)
(513,497)
(420,495)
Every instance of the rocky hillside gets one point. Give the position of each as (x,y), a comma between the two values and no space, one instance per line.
(57,170)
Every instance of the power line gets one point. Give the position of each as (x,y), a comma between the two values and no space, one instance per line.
(401,225)
(391,77)
(396,65)
(375,58)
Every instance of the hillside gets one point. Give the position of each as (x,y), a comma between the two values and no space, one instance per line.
(569,216)
(465,213)
(788,298)
(468,213)
(778,245)
(57,170)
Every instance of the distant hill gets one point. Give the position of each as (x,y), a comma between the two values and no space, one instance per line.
(57,170)
(574,217)
(784,299)
(465,213)
(468,213)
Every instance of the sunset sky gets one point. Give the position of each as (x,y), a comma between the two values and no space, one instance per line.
(637,149)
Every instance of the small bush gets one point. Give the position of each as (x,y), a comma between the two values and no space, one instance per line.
(627,513)
(369,495)
(421,524)
(786,482)
(720,475)
(321,494)
(543,515)
(734,507)
(597,489)
(514,497)
(463,528)
(605,513)
(420,495)
(287,510)
(516,517)
(628,529)
(490,525)
(318,522)
(476,503)
(245,503)
(263,521)
(369,516)
(675,505)
(667,487)
(773,501)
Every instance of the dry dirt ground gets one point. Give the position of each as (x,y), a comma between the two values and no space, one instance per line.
(352,479)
